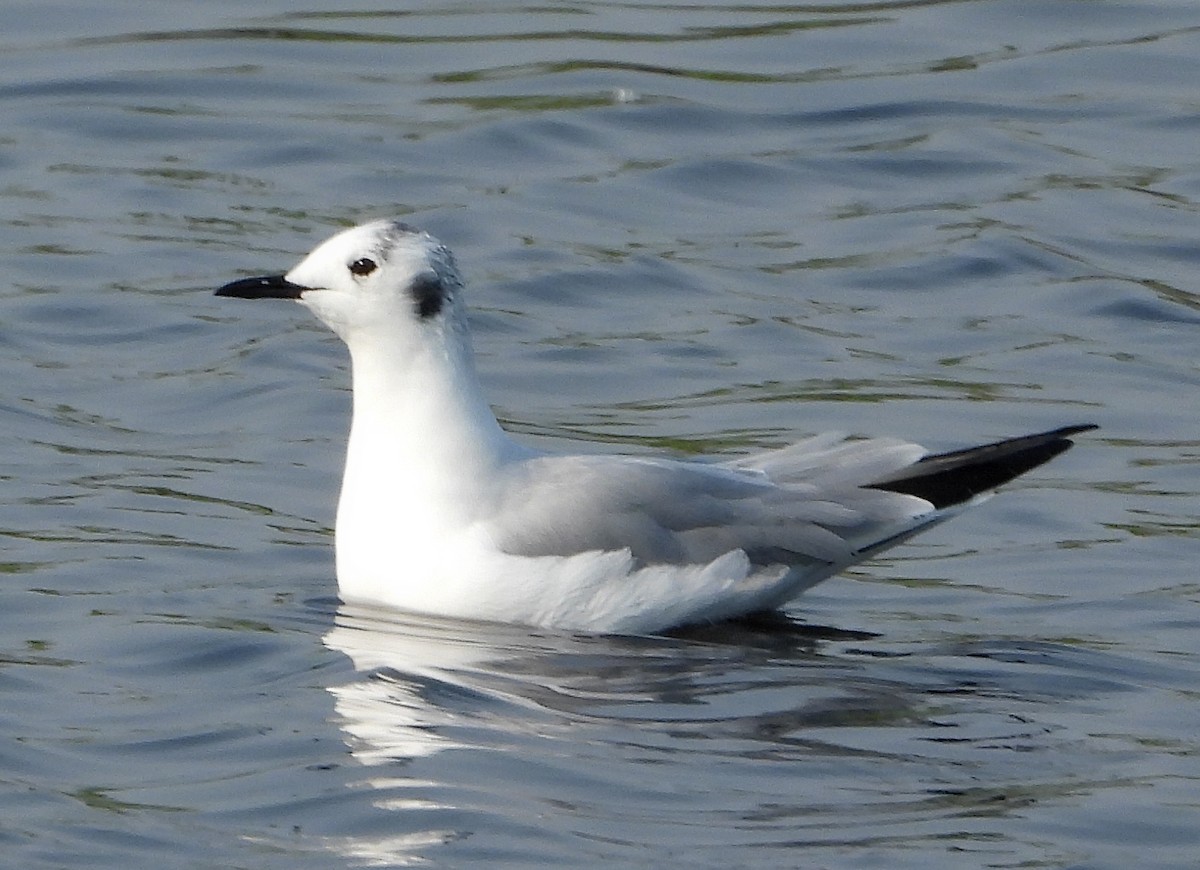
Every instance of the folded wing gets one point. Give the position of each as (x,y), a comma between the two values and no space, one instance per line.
(823,502)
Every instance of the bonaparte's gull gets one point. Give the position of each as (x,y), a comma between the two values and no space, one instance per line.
(442,513)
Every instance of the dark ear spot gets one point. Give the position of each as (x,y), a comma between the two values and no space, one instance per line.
(429,294)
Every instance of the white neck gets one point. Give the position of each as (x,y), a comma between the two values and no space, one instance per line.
(421,425)
(423,448)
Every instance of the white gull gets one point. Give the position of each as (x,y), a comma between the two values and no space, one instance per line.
(442,513)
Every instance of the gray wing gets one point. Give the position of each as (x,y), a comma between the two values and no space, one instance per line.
(802,505)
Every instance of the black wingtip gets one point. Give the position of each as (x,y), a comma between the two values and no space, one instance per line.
(947,479)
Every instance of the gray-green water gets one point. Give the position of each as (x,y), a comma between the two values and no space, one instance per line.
(697,227)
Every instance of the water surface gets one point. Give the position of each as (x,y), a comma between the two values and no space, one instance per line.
(701,228)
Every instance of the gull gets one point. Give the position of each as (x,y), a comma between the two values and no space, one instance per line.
(442,513)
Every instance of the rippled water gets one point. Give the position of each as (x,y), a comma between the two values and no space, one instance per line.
(697,227)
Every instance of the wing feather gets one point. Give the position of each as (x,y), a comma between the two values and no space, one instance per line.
(803,505)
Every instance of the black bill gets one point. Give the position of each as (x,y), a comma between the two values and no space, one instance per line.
(263,287)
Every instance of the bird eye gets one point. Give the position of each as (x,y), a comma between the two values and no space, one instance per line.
(363,266)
